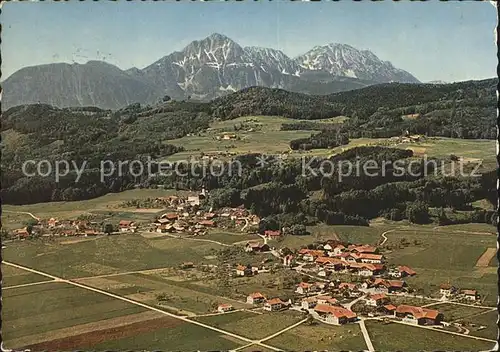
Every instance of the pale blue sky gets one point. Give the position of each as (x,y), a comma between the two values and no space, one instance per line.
(433,40)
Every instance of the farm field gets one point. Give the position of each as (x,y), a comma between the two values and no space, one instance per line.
(445,255)
(262,134)
(42,308)
(412,301)
(489,320)
(145,288)
(71,210)
(455,312)
(400,337)
(229,237)
(270,285)
(252,325)
(257,134)
(320,337)
(12,276)
(106,255)
(182,335)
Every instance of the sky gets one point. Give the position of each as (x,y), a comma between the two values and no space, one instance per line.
(433,40)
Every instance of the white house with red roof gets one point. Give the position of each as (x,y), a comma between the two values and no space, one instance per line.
(334,315)
(274,304)
(255,298)
(225,307)
(305,288)
(376,300)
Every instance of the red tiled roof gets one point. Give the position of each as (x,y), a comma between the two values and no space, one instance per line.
(390,307)
(207,222)
(241,268)
(256,295)
(125,223)
(395,283)
(324,298)
(271,233)
(418,312)
(379,281)
(349,285)
(304,285)
(378,296)
(275,301)
(225,305)
(364,249)
(469,292)
(332,300)
(370,256)
(310,299)
(338,312)
(328,260)
(408,270)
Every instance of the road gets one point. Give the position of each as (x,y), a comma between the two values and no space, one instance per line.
(30,284)
(22,212)
(383,235)
(197,239)
(350,304)
(143,305)
(246,224)
(283,330)
(366,336)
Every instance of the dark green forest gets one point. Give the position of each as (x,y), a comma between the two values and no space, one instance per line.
(278,192)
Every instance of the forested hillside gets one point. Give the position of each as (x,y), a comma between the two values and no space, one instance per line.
(41,132)
(460,110)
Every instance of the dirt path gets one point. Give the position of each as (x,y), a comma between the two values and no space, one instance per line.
(22,212)
(28,284)
(196,239)
(487,256)
(383,235)
(438,228)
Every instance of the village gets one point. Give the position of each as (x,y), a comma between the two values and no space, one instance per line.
(338,302)
(183,216)
(341,283)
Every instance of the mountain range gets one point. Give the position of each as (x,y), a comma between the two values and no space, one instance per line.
(203,70)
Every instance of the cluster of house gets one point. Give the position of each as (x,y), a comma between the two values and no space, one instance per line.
(363,260)
(185,216)
(184,222)
(271,305)
(55,227)
(327,308)
(447,290)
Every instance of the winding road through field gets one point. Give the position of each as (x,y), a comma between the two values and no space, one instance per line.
(383,235)
(22,212)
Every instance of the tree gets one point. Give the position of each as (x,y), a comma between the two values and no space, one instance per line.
(310,320)
(108,229)
(418,213)
(442,218)
(166,98)
(298,230)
